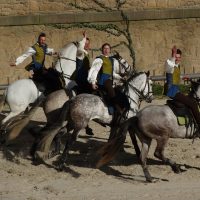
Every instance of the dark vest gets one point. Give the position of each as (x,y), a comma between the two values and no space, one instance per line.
(106,71)
(39,57)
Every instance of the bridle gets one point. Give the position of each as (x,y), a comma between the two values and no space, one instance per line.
(126,69)
(139,93)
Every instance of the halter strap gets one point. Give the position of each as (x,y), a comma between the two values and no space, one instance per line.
(138,92)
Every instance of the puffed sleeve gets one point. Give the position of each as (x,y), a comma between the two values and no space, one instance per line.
(28,53)
(116,70)
(94,70)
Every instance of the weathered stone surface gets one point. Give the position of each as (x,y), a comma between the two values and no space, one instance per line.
(152,39)
(152,42)
(24,7)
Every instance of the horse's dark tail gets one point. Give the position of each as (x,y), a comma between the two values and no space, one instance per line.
(110,149)
(50,132)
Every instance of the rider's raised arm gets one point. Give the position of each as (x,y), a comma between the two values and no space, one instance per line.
(81,51)
(169,65)
(94,70)
(28,53)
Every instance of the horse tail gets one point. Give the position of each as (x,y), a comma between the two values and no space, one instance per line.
(110,149)
(2,101)
(49,133)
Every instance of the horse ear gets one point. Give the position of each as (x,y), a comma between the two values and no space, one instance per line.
(147,73)
(117,56)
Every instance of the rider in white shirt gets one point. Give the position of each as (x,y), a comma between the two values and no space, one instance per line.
(103,67)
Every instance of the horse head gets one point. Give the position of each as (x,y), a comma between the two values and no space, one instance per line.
(141,84)
(195,89)
(66,63)
(124,67)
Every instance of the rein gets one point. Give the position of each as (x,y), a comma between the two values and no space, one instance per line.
(138,92)
(62,72)
(65,58)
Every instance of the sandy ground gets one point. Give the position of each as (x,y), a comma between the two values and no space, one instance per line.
(122,179)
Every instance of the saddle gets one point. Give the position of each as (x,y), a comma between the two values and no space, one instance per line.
(183,113)
(121,99)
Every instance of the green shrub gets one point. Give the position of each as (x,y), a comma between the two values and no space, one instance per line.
(157,89)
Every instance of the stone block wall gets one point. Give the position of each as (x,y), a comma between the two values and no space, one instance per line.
(152,39)
(25,7)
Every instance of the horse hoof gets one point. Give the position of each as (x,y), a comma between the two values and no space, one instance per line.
(60,167)
(40,157)
(176,169)
(53,154)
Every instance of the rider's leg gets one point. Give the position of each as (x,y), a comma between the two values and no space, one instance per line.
(191,104)
(111,93)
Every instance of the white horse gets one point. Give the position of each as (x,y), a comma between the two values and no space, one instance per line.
(55,100)
(21,93)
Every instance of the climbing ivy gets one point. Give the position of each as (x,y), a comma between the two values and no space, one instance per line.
(110,28)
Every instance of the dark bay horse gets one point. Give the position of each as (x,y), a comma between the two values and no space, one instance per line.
(153,122)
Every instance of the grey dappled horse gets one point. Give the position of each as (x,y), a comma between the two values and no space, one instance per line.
(77,112)
(153,122)
(55,100)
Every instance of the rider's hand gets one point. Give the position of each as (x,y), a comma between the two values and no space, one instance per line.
(55,54)
(174,50)
(185,78)
(12,64)
(94,86)
(31,74)
(123,79)
(84,34)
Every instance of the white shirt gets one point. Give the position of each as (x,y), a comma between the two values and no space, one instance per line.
(95,68)
(81,52)
(170,64)
(29,53)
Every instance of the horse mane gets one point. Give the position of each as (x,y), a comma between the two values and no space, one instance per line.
(69,44)
(133,75)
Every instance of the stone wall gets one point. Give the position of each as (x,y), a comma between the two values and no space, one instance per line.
(25,7)
(152,39)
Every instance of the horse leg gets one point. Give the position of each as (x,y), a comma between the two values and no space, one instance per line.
(159,153)
(143,157)
(57,142)
(134,142)
(7,120)
(70,141)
